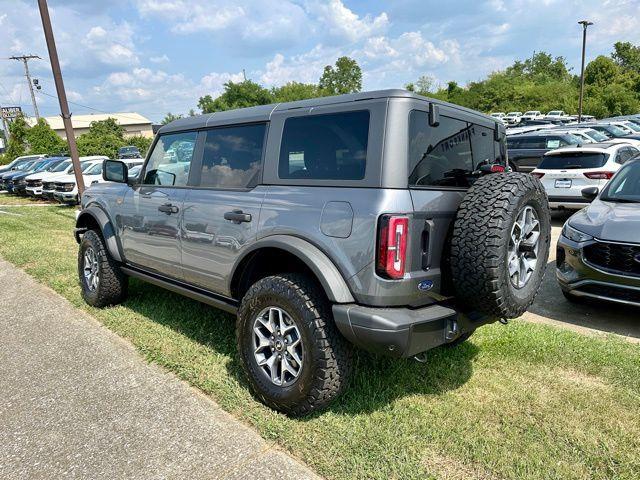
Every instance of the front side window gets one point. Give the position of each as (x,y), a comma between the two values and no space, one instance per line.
(448,154)
(232,156)
(170,160)
(325,147)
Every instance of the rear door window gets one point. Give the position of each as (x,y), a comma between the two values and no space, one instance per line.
(448,154)
(325,147)
(575,160)
(232,156)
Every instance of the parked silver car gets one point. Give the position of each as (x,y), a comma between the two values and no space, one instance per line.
(598,253)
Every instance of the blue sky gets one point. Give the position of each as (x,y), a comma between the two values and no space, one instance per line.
(155,56)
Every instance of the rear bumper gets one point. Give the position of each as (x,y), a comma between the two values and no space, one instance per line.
(403,332)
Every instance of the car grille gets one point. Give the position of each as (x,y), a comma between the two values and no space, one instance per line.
(34,183)
(64,187)
(612,292)
(48,186)
(614,257)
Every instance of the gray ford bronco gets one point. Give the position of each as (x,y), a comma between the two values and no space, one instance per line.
(384,220)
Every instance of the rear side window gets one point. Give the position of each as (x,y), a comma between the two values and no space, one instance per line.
(325,147)
(232,156)
(575,160)
(447,155)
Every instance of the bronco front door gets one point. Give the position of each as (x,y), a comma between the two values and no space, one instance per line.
(151,213)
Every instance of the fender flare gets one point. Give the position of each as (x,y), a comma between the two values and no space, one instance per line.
(106,227)
(323,268)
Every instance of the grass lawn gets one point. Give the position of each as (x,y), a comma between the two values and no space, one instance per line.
(524,401)
(6,199)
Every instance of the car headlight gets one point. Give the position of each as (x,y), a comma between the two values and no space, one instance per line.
(575,235)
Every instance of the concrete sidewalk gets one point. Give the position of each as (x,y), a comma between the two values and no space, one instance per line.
(78,401)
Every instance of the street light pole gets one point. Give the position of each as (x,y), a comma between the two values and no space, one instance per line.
(585,24)
(62,96)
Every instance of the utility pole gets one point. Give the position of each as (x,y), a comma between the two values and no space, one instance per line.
(62,96)
(25,59)
(585,24)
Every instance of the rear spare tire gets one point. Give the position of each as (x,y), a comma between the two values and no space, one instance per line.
(500,244)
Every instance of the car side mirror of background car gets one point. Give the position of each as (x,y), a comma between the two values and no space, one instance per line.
(114,171)
(590,193)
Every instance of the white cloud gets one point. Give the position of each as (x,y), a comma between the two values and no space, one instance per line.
(159,59)
(341,22)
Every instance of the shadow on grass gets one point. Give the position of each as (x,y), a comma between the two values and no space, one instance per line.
(376,382)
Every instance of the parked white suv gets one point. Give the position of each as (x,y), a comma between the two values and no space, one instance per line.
(48,183)
(533,115)
(565,172)
(513,118)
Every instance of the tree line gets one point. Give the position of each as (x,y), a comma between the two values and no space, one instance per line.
(542,82)
(104,137)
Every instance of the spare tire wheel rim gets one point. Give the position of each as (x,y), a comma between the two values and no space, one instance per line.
(91,269)
(524,242)
(277,346)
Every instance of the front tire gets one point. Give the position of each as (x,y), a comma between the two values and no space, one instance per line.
(292,352)
(101,280)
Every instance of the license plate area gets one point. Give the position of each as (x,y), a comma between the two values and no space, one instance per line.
(563,183)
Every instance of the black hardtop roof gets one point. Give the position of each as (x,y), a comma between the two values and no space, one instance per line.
(262,113)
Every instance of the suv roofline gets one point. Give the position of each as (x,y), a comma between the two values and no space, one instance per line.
(263,113)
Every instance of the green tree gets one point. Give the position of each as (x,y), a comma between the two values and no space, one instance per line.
(627,55)
(103,138)
(236,95)
(345,77)
(170,117)
(17,144)
(42,139)
(143,143)
(601,71)
(293,91)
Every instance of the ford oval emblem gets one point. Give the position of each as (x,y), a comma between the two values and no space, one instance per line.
(425,285)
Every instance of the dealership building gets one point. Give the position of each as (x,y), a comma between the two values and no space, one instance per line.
(133,123)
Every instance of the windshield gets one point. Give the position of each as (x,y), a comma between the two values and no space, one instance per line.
(128,150)
(555,112)
(573,160)
(625,186)
(62,166)
(532,112)
(83,167)
(596,135)
(25,166)
(94,170)
(614,130)
(632,126)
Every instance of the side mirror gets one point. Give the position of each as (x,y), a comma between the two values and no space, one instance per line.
(590,193)
(114,171)
(434,115)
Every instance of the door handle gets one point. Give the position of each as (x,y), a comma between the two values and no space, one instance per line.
(237,216)
(168,208)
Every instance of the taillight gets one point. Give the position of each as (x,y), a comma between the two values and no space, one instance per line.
(537,174)
(392,246)
(599,175)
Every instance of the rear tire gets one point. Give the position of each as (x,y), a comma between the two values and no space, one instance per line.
(325,357)
(500,244)
(101,279)
(460,340)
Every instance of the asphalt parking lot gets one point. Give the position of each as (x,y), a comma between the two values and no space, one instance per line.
(551,306)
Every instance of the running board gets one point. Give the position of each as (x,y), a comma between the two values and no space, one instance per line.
(218,301)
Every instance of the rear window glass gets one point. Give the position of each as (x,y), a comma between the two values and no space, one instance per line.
(448,154)
(325,147)
(232,156)
(567,161)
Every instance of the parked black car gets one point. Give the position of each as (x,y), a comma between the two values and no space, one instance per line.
(527,149)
